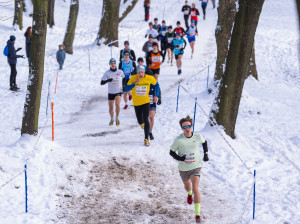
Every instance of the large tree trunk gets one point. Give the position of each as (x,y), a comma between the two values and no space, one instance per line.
(36,68)
(252,64)
(70,34)
(18,17)
(108,30)
(237,64)
(50,17)
(226,17)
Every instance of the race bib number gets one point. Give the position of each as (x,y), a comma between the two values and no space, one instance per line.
(192,33)
(151,99)
(186,12)
(179,46)
(170,39)
(189,158)
(150,49)
(116,80)
(141,90)
(163,33)
(155,58)
(193,13)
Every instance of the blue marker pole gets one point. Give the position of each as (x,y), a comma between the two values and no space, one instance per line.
(25,170)
(254,195)
(207,77)
(195,113)
(177,97)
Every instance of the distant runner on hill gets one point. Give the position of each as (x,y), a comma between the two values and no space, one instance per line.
(189,163)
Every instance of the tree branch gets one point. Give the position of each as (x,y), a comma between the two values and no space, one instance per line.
(128,10)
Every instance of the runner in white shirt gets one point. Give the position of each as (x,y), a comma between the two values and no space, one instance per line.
(115,78)
(153,32)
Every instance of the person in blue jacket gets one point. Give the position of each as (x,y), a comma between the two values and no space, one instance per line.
(12,61)
(179,44)
(61,56)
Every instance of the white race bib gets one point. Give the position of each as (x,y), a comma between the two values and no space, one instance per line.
(115,80)
(189,158)
(186,12)
(170,39)
(193,13)
(141,90)
(163,33)
(155,58)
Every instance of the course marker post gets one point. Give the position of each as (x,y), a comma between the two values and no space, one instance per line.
(207,77)
(195,114)
(56,81)
(52,122)
(89,61)
(26,207)
(48,98)
(177,97)
(254,196)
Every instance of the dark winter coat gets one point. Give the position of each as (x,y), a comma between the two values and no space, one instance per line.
(28,45)
(12,56)
(61,55)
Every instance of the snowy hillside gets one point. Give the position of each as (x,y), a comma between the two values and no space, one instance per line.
(93,173)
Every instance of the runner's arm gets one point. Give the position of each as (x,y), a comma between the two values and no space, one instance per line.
(103,82)
(205,150)
(120,65)
(197,12)
(129,87)
(184,44)
(132,55)
(177,157)
(148,60)
(121,51)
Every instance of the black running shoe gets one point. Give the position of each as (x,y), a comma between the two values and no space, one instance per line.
(151,136)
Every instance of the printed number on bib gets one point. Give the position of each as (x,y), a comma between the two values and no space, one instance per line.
(141,90)
(115,80)
(163,33)
(155,58)
(186,12)
(170,39)
(189,158)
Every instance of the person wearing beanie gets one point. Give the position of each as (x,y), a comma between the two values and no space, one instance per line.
(140,86)
(126,48)
(12,61)
(115,79)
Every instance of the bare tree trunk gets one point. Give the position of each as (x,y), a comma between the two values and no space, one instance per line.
(24,6)
(128,10)
(18,17)
(226,17)
(252,64)
(108,30)
(50,17)
(109,22)
(70,34)
(227,102)
(36,68)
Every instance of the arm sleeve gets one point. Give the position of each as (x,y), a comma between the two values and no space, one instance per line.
(130,85)
(148,60)
(123,81)
(103,82)
(157,89)
(144,47)
(120,56)
(12,52)
(184,44)
(163,56)
(134,65)
(197,12)
(133,55)
(120,65)
(205,149)
(175,156)
(182,9)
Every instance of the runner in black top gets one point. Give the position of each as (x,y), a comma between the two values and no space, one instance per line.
(186,9)
(126,48)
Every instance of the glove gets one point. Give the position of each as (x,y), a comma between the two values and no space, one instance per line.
(182,158)
(205,158)
(177,46)
(146,36)
(109,80)
(19,49)
(181,49)
(22,56)
(159,102)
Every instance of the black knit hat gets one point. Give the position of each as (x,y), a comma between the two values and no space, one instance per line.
(12,38)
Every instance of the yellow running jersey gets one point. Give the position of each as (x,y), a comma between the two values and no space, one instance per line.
(140,93)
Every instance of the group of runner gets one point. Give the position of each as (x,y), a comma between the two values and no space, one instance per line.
(139,83)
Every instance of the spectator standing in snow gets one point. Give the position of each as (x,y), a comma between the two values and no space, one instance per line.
(147,8)
(28,35)
(12,61)
(61,56)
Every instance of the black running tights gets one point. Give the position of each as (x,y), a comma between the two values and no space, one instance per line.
(142,115)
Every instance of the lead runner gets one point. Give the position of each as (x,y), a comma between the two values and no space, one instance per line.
(189,162)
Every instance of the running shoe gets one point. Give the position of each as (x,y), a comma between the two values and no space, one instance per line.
(179,71)
(143,126)
(117,122)
(190,199)
(126,107)
(198,219)
(130,97)
(171,63)
(111,122)
(151,136)
(168,60)
(146,142)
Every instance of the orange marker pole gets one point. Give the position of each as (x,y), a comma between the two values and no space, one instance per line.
(52,122)
(56,81)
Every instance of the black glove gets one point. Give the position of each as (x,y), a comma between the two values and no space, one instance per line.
(21,56)
(109,80)
(205,158)
(146,36)
(18,49)
(158,101)
(106,81)
(181,49)
(182,158)
(177,46)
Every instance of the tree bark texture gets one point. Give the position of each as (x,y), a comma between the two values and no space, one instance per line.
(109,24)
(128,10)
(226,17)
(24,6)
(252,64)
(50,17)
(36,68)
(237,64)
(70,33)
(18,17)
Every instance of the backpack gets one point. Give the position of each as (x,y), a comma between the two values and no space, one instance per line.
(5,52)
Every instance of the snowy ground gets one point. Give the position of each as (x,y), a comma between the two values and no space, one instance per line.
(93,173)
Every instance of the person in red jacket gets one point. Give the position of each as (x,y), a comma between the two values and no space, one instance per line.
(179,30)
(194,14)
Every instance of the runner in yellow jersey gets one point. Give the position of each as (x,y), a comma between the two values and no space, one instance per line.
(140,86)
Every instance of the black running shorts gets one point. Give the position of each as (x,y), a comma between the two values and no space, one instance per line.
(155,71)
(176,56)
(113,96)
